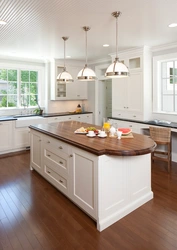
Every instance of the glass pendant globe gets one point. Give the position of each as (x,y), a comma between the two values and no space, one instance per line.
(64,77)
(86,74)
(117,70)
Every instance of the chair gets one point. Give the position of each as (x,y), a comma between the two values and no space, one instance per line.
(162,137)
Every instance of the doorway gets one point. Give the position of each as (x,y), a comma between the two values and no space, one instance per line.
(104,100)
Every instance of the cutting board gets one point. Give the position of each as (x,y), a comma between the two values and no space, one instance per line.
(123,136)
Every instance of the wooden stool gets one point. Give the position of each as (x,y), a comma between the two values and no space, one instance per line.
(162,137)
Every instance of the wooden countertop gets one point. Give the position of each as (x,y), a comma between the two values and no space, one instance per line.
(64,131)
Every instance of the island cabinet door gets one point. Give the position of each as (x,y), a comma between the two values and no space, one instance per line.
(35,151)
(83,176)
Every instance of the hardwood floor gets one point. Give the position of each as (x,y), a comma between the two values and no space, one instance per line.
(34,215)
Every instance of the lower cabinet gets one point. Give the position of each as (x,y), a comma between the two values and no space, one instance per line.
(21,138)
(88,118)
(6,136)
(135,127)
(70,169)
(36,152)
(83,180)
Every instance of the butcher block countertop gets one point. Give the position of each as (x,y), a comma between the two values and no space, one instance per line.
(64,131)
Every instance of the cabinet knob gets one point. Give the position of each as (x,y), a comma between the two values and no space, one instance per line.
(48,142)
(70,155)
(134,116)
(40,140)
(60,147)
(60,181)
(48,171)
(60,162)
(48,155)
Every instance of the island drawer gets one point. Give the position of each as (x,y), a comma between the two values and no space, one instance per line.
(53,157)
(57,180)
(57,144)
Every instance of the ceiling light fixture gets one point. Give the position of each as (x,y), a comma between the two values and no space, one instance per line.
(172,25)
(117,69)
(64,76)
(105,45)
(2,22)
(86,74)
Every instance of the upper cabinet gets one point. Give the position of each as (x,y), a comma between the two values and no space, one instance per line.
(67,91)
(132,96)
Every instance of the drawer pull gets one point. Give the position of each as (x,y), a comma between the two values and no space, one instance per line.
(60,162)
(60,181)
(60,147)
(48,155)
(71,156)
(48,141)
(48,171)
(40,140)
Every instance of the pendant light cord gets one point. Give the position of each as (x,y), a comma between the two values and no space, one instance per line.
(116,37)
(64,55)
(86,48)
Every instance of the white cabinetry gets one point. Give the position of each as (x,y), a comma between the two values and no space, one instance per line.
(21,138)
(88,118)
(71,170)
(83,180)
(131,96)
(56,167)
(71,91)
(135,127)
(35,152)
(6,136)
(55,119)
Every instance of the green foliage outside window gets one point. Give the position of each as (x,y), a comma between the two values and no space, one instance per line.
(11,85)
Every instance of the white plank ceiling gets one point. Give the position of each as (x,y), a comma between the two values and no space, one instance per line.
(34,27)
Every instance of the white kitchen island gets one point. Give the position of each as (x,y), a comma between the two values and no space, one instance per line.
(105,177)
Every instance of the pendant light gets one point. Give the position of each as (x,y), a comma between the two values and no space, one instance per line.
(64,76)
(117,69)
(86,74)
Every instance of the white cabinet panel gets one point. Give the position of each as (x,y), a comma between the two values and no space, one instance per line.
(6,136)
(21,138)
(83,180)
(132,96)
(36,151)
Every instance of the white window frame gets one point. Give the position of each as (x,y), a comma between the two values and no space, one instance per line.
(29,67)
(157,60)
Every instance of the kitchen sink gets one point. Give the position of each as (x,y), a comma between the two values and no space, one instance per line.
(26,121)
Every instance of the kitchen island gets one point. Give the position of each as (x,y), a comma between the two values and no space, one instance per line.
(106,177)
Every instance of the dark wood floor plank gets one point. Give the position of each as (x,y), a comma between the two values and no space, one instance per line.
(34,215)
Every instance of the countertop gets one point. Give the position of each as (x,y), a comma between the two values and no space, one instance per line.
(45,115)
(64,131)
(160,123)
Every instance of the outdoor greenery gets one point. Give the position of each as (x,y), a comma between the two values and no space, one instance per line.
(18,88)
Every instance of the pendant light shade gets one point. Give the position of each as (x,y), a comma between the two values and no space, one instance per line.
(86,74)
(64,76)
(117,69)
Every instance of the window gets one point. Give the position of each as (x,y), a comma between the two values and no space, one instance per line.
(165,84)
(18,88)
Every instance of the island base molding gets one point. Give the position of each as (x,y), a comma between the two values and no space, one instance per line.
(124,184)
(113,218)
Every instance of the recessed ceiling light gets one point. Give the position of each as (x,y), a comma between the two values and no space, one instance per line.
(172,25)
(2,22)
(105,45)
